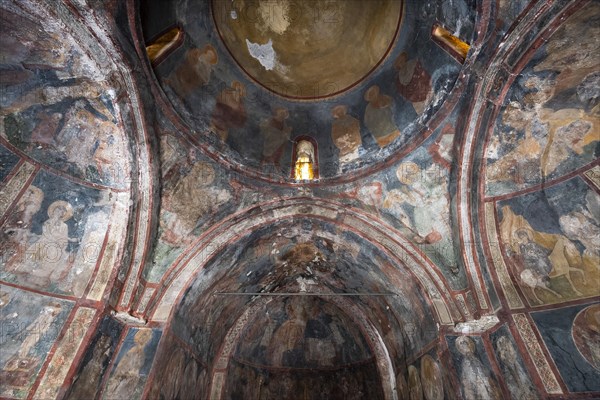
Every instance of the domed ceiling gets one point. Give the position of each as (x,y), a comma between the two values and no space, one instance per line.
(294,49)
(251,78)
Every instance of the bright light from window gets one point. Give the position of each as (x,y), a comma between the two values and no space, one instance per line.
(304,165)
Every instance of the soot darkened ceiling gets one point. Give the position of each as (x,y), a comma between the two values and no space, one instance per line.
(363,79)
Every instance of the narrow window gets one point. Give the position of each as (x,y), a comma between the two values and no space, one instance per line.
(450,43)
(163,45)
(305,160)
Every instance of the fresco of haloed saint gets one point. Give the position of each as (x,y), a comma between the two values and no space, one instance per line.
(229,112)
(194,72)
(132,365)
(379,116)
(473,369)
(586,334)
(413,82)
(549,125)
(513,369)
(345,132)
(30,325)
(572,335)
(301,334)
(53,237)
(418,191)
(193,192)
(551,239)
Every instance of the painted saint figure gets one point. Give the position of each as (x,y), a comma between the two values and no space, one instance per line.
(47,260)
(477,382)
(586,334)
(32,335)
(229,112)
(515,376)
(275,134)
(126,376)
(194,72)
(345,132)
(379,118)
(413,81)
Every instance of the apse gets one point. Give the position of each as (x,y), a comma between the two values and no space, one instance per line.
(296,308)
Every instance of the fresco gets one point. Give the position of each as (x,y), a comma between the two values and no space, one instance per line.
(302,333)
(425,379)
(194,72)
(586,334)
(551,240)
(417,189)
(359,382)
(225,105)
(509,10)
(345,132)
(549,124)
(562,331)
(8,160)
(91,371)
(298,255)
(470,360)
(183,376)
(513,369)
(132,365)
(413,81)
(54,235)
(194,192)
(264,39)
(60,110)
(31,324)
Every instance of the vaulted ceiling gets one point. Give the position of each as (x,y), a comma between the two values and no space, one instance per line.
(153,231)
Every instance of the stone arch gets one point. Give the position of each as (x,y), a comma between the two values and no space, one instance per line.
(161,300)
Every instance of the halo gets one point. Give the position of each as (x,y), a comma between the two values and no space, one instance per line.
(60,203)
(408,172)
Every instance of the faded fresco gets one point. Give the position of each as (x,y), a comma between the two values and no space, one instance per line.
(562,331)
(53,237)
(424,379)
(550,239)
(194,192)
(94,364)
(30,324)
(183,375)
(57,106)
(517,379)
(358,382)
(132,365)
(417,189)
(8,160)
(302,333)
(586,334)
(475,376)
(549,125)
(232,85)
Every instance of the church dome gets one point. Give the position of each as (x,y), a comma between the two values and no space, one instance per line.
(363,79)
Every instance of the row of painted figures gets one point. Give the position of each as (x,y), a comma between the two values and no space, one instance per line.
(229,113)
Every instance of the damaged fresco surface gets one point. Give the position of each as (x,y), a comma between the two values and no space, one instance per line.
(100,228)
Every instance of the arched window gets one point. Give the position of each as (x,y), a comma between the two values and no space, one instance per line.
(305,159)
(450,43)
(159,48)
